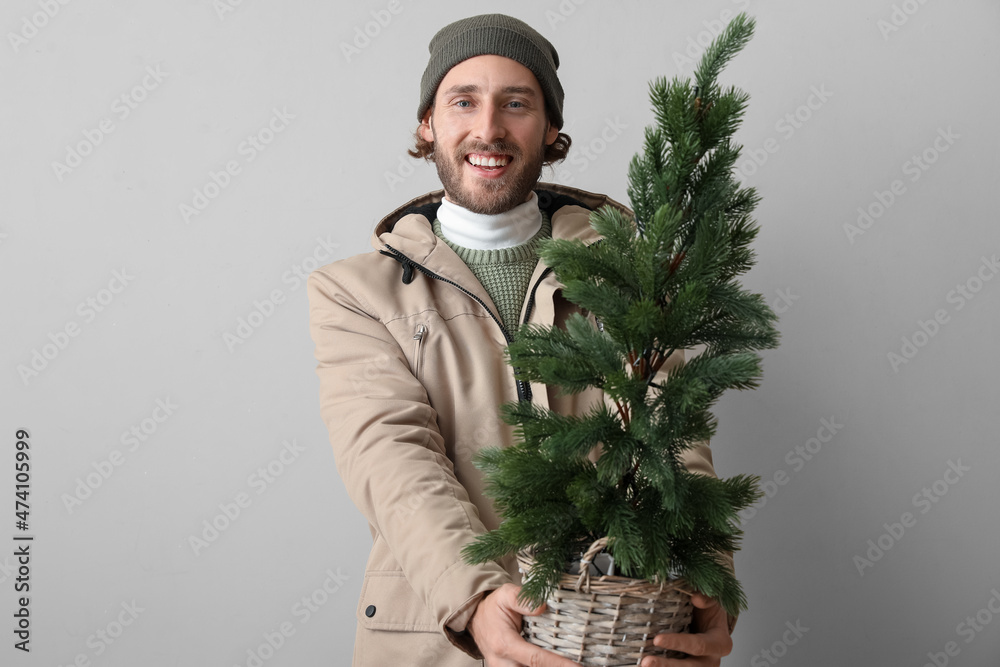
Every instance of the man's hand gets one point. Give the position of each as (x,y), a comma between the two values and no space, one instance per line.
(706,644)
(496,627)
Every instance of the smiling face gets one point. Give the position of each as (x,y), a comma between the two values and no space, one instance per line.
(489,129)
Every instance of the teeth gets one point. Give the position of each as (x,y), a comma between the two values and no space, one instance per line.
(481,161)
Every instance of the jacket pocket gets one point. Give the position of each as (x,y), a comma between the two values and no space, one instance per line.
(389,603)
(418,347)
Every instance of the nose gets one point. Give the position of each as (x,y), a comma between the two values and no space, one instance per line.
(489,124)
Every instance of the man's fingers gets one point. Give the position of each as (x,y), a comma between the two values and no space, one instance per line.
(507,598)
(709,643)
(506,646)
(526,610)
(684,662)
(533,656)
(684,642)
(703,601)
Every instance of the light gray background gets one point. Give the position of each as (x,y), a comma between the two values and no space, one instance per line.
(315,192)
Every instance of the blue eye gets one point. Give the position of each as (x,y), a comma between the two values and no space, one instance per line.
(462,103)
(517,105)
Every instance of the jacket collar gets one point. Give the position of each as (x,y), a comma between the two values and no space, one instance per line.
(408,228)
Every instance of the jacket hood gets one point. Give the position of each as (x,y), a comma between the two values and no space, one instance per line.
(551,198)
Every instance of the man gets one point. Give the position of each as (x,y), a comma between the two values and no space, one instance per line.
(410,344)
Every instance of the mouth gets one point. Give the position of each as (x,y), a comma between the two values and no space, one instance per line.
(488,165)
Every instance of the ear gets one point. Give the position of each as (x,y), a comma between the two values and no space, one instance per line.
(551,134)
(425,129)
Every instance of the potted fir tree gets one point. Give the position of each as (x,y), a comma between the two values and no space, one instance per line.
(657,284)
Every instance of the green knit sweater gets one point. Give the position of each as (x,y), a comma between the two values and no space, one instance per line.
(504,273)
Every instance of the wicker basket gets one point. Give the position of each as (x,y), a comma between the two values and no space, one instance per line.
(607,620)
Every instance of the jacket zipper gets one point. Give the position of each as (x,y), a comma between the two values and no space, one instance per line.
(523,388)
(534,289)
(418,338)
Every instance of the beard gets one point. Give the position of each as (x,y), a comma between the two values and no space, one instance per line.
(496,195)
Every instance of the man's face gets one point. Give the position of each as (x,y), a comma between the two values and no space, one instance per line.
(488,109)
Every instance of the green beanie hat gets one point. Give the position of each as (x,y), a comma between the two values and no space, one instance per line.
(499,35)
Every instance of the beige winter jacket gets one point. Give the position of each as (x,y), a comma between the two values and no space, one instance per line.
(411,369)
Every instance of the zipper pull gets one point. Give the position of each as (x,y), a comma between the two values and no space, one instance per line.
(421,330)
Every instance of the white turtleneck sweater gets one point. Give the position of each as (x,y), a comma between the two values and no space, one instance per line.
(478,231)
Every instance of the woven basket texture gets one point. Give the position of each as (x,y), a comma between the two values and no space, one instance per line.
(607,620)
